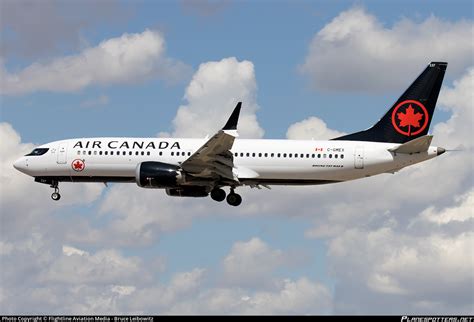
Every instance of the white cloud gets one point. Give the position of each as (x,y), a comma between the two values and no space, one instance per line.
(403,269)
(300,296)
(463,213)
(125,59)
(459,100)
(213,93)
(251,262)
(197,292)
(79,267)
(355,51)
(311,128)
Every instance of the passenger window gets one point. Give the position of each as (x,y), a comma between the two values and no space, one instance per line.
(143,152)
(335,155)
(324,155)
(111,152)
(307,156)
(189,154)
(290,155)
(106,152)
(312,155)
(272,155)
(124,153)
(266,155)
(330,156)
(172,154)
(253,155)
(278,155)
(284,155)
(90,152)
(129,152)
(78,152)
(136,152)
(148,153)
(301,155)
(248,154)
(161,153)
(342,156)
(259,155)
(100,152)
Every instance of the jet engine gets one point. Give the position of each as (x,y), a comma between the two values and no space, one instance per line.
(152,174)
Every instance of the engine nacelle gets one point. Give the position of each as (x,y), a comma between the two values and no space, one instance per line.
(190,191)
(152,174)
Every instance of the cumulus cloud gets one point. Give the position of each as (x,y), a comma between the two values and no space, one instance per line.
(197,292)
(422,272)
(125,59)
(213,93)
(311,128)
(355,49)
(251,262)
(76,266)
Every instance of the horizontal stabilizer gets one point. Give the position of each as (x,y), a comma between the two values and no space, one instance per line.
(417,145)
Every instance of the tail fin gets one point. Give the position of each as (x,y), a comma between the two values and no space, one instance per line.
(410,117)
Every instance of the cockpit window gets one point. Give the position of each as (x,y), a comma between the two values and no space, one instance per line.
(39,151)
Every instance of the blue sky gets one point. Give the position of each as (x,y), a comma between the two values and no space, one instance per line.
(318,250)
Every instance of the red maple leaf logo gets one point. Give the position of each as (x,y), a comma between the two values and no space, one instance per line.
(78,165)
(410,118)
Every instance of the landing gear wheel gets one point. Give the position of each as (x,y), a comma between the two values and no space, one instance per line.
(56,196)
(234,199)
(218,194)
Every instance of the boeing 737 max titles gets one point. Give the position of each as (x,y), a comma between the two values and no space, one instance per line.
(203,167)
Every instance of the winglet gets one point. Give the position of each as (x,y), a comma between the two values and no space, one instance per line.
(233,119)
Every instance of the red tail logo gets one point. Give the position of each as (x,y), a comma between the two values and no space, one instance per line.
(410,118)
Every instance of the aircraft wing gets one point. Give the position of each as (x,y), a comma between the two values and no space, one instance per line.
(214,160)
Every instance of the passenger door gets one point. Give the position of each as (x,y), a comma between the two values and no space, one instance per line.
(62,153)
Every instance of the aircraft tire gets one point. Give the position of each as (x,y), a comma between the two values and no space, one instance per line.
(218,194)
(234,199)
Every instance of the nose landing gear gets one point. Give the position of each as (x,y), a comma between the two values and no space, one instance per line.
(55,195)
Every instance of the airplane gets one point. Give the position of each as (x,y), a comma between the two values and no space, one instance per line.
(203,167)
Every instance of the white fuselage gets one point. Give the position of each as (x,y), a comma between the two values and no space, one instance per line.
(287,162)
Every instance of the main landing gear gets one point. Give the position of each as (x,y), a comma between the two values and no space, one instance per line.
(219,195)
(55,195)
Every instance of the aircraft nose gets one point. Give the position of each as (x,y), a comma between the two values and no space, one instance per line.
(20,164)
